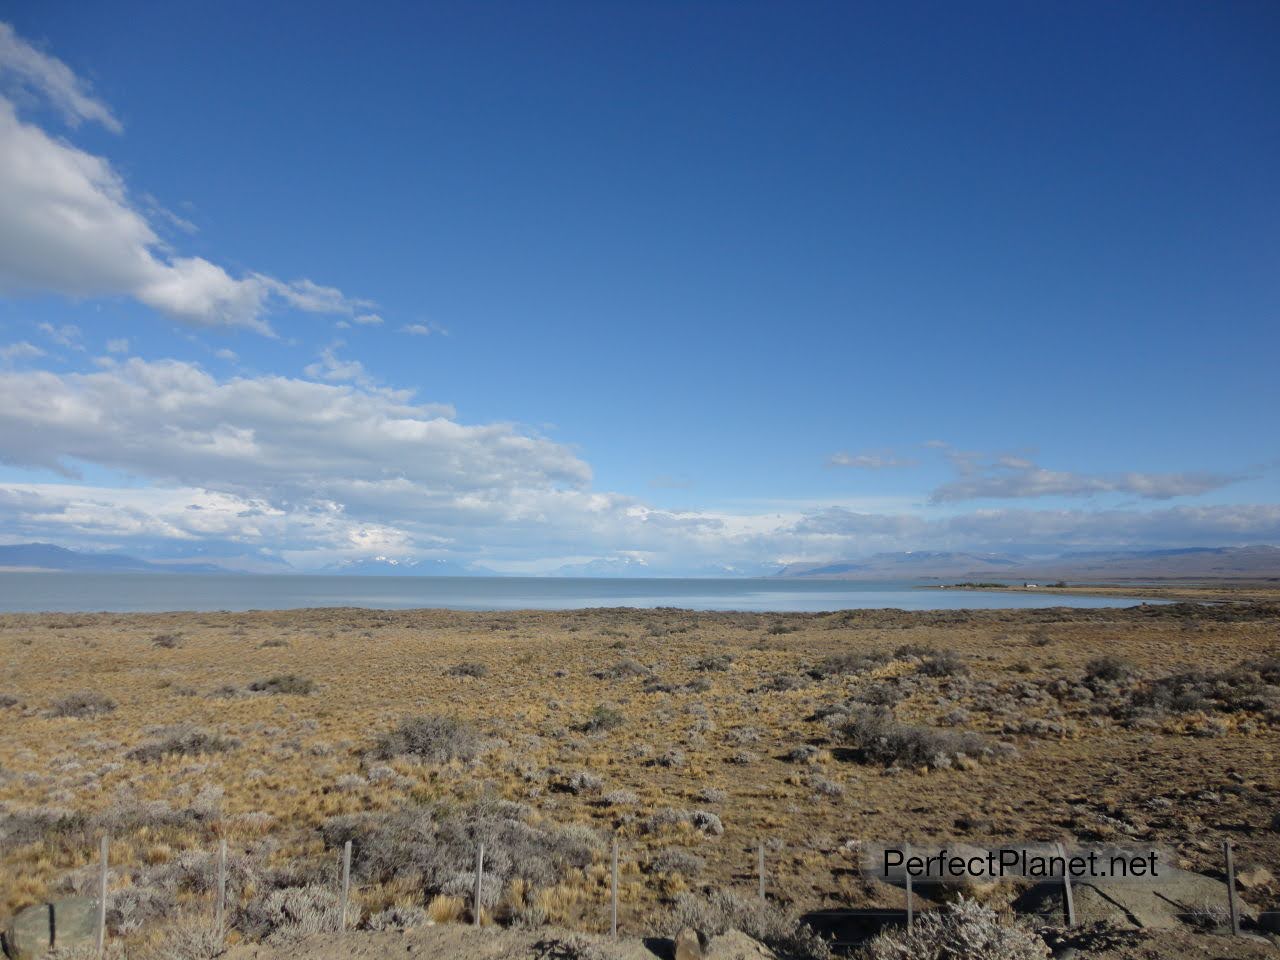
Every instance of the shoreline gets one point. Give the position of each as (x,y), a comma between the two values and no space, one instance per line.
(1199,591)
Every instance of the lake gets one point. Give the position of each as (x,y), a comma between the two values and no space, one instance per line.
(149,592)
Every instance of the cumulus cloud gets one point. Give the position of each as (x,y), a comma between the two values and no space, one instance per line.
(271,436)
(23,349)
(329,367)
(68,226)
(53,80)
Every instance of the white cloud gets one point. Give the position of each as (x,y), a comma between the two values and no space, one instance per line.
(20,350)
(329,367)
(882,460)
(1013,478)
(422,329)
(52,79)
(225,354)
(272,437)
(368,320)
(118,345)
(67,335)
(68,226)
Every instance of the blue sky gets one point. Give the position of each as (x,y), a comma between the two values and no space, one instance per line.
(665,287)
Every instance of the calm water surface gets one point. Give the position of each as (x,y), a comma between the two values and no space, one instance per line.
(130,592)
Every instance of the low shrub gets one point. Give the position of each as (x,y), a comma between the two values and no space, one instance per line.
(434,739)
(468,669)
(182,740)
(966,931)
(675,860)
(603,717)
(1109,670)
(622,670)
(944,663)
(82,705)
(582,782)
(435,848)
(285,683)
(882,739)
(167,641)
(776,926)
(843,664)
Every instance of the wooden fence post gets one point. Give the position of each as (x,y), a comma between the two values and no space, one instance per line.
(906,873)
(220,911)
(613,894)
(760,867)
(346,882)
(475,920)
(1232,905)
(1068,897)
(101,940)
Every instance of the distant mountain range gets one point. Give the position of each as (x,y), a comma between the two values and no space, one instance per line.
(47,556)
(1255,562)
(407,567)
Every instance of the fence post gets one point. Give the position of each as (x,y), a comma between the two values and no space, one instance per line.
(220,913)
(906,873)
(760,867)
(101,940)
(1232,905)
(1068,897)
(346,882)
(475,920)
(613,894)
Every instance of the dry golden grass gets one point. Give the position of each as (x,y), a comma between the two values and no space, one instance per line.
(687,737)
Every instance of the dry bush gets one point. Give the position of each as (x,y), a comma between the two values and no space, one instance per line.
(436,849)
(582,782)
(882,739)
(675,860)
(944,663)
(167,641)
(703,821)
(468,669)
(184,740)
(622,670)
(292,911)
(603,718)
(82,705)
(435,739)
(843,664)
(289,683)
(966,931)
(398,918)
(1109,670)
(773,925)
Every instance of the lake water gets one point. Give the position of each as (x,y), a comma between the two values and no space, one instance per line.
(130,592)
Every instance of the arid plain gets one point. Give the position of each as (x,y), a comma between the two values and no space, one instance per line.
(691,737)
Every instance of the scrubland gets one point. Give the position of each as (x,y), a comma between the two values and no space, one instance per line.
(688,737)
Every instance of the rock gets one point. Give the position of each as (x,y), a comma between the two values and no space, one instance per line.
(1254,878)
(1157,904)
(69,924)
(736,945)
(688,945)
